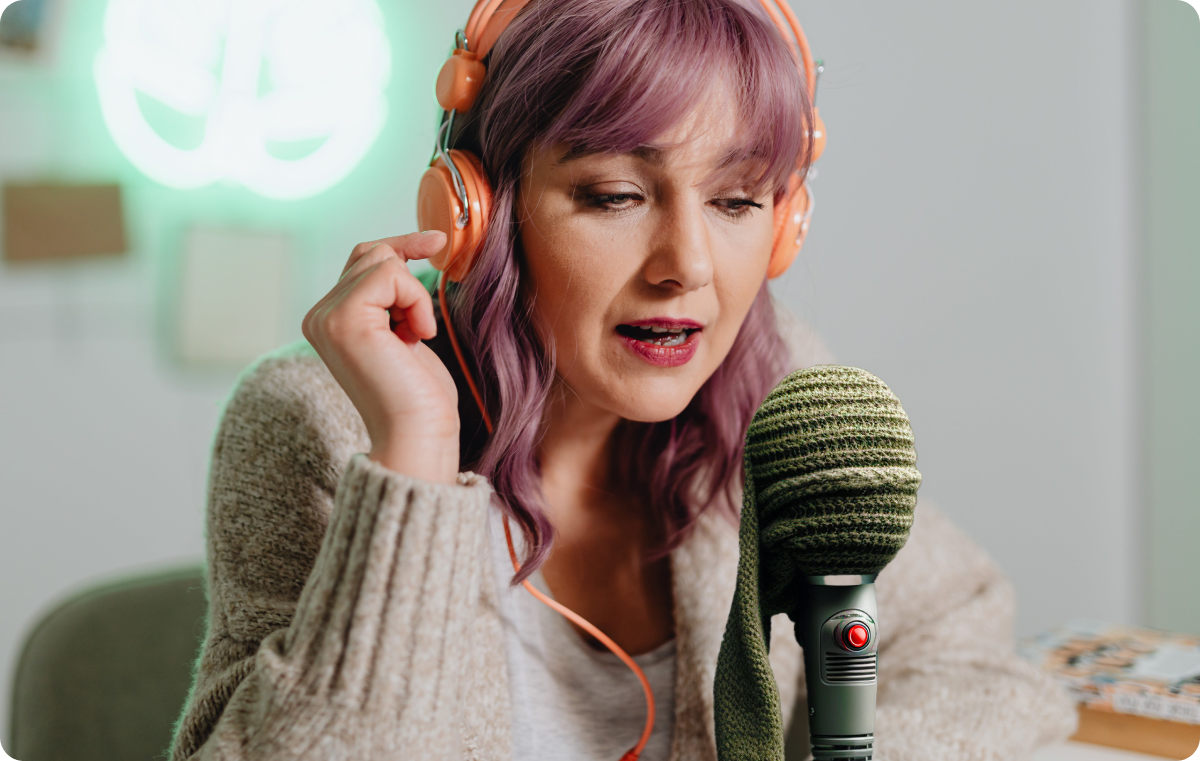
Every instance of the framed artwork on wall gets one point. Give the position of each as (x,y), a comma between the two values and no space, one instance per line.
(26,30)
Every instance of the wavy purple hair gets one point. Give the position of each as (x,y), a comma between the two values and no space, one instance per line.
(611,75)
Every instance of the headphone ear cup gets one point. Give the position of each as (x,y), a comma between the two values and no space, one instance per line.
(438,208)
(818,136)
(790,227)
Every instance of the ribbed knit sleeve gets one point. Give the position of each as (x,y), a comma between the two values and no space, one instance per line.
(951,687)
(340,592)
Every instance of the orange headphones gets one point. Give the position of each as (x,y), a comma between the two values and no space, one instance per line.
(456,198)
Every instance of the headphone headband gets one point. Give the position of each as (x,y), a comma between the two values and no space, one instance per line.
(455,196)
(489,19)
(488,22)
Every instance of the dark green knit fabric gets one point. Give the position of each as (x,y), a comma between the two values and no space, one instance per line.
(831,483)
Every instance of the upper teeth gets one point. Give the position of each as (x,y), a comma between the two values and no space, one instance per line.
(657,329)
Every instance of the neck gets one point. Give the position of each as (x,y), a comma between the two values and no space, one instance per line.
(573,453)
(598,564)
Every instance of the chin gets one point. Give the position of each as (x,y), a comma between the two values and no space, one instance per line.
(654,402)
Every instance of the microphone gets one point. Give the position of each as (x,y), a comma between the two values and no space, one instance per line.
(830,487)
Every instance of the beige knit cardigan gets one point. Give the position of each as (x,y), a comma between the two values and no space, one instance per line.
(352,612)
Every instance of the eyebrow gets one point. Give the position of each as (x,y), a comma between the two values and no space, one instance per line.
(651,154)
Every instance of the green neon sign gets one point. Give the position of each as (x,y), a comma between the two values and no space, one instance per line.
(283,97)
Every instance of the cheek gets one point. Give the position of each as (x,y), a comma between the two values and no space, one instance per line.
(570,279)
(738,280)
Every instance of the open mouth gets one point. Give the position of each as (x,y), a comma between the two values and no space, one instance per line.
(656,335)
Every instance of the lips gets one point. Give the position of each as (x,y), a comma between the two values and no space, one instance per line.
(662,341)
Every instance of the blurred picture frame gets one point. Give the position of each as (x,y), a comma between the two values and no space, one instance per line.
(28,31)
(230,298)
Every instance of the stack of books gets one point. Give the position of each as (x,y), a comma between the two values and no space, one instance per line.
(1137,689)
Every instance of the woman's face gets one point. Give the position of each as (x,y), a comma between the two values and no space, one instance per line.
(642,266)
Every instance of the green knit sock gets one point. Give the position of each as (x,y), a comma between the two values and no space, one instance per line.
(830,486)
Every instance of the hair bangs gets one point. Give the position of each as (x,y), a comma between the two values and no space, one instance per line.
(650,64)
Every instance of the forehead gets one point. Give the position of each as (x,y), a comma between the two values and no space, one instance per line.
(708,135)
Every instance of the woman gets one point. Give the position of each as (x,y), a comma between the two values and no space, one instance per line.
(618,321)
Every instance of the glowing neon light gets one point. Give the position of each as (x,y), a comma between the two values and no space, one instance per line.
(303,76)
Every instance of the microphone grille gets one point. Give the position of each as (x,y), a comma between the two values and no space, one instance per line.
(831,461)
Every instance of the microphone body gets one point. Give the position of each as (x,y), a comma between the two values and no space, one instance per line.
(836,625)
(830,488)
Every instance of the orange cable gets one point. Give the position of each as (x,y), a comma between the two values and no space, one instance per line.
(636,751)
(462,362)
(571,615)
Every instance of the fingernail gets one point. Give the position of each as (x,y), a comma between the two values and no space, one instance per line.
(431,232)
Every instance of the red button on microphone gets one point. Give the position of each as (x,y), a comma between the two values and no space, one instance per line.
(857,637)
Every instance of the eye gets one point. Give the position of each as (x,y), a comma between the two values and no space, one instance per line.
(618,202)
(737,207)
(613,202)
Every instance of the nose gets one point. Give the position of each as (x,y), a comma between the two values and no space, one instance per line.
(681,251)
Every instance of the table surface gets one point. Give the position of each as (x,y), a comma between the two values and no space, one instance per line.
(1073,751)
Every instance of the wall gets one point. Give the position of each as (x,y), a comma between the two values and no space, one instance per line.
(973,245)
(1171,109)
(104,439)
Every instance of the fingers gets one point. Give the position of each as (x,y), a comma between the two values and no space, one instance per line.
(367,259)
(385,289)
(403,329)
(409,247)
(377,289)
(411,307)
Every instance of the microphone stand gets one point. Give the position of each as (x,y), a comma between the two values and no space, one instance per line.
(836,626)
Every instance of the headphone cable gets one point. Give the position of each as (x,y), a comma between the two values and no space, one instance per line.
(633,753)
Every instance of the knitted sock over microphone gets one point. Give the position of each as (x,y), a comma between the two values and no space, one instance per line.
(830,487)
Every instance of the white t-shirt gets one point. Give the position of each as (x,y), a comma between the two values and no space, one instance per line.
(570,701)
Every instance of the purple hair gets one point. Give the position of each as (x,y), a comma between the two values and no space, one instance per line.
(609,76)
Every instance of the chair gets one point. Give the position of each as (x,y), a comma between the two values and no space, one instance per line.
(105,674)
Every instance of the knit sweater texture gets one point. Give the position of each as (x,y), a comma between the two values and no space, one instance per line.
(352,613)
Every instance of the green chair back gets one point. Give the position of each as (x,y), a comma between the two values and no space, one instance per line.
(104,675)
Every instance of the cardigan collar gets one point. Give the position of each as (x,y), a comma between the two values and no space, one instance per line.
(703,578)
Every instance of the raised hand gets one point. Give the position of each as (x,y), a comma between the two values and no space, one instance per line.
(368,330)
